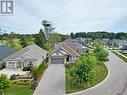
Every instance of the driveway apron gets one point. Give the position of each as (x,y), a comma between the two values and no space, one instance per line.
(53,81)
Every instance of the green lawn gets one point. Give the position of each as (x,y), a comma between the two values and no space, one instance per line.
(101,73)
(19,90)
(16,43)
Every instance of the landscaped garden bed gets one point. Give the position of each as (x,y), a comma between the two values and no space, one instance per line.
(100,71)
(22,85)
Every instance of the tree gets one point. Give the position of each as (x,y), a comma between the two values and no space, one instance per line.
(83,72)
(23,42)
(40,39)
(88,42)
(72,35)
(10,39)
(54,39)
(100,53)
(101,35)
(4,83)
(30,40)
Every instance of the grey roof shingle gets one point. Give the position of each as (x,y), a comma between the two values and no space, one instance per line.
(5,51)
(34,50)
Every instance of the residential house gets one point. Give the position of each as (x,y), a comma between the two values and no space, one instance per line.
(105,41)
(4,52)
(116,42)
(30,55)
(123,45)
(66,52)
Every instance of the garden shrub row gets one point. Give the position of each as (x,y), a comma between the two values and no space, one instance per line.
(38,71)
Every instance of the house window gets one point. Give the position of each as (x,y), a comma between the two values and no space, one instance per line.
(42,57)
(30,63)
(67,59)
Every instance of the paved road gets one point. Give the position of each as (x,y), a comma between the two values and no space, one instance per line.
(53,81)
(116,82)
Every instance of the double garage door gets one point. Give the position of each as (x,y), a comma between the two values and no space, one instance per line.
(57,60)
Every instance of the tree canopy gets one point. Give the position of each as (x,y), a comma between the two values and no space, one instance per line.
(100,53)
(101,34)
(83,72)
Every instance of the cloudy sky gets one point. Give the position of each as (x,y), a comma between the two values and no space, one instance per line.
(67,16)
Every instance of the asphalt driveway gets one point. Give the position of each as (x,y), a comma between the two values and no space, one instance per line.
(116,82)
(53,81)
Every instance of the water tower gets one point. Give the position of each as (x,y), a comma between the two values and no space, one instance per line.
(48,28)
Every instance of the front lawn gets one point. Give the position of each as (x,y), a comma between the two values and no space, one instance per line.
(101,73)
(19,90)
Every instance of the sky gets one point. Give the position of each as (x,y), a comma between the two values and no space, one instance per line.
(67,16)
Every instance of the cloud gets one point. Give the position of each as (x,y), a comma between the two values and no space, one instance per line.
(68,15)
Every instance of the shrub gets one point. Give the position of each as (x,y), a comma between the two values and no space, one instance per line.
(37,71)
(22,82)
(1,67)
(27,68)
(100,53)
(13,77)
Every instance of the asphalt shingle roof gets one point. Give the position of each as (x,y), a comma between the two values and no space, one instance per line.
(5,51)
(34,50)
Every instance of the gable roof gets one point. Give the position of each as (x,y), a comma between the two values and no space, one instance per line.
(69,50)
(5,51)
(29,51)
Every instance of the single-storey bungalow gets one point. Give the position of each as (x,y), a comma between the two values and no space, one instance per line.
(123,45)
(30,55)
(4,52)
(66,52)
(63,55)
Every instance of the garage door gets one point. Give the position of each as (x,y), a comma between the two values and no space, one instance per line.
(57,60)
(10,65)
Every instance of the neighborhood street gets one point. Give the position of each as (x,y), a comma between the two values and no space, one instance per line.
(116,82)
(53,81)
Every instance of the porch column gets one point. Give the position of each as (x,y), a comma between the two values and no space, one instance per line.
(15,65)
(22,64)
(6,64)
(64,60)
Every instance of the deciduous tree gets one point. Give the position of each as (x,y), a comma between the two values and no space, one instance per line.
(4,83)
(83,72)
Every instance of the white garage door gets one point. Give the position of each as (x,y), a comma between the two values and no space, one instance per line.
(57,60)
(10,65)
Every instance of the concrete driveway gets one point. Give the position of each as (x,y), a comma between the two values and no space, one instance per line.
(116,82)
(53,81)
